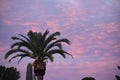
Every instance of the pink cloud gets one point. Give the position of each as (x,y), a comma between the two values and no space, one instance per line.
(107,54)
(76,48)
(30,24)
(8,22)
(72,10)
(76,51)
(54,25)
(13,22)
(99,64)
(108,27)
(3,47)
(97,52)
(70,20)
(4,6)
(98,35)
(87,68)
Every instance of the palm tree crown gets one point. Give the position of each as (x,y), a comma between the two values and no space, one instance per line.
(37,45)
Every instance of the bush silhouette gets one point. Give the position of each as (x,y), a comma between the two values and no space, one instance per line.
(10,73)
(118,77)
(88,78)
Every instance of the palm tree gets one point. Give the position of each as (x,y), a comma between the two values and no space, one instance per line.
(38,46)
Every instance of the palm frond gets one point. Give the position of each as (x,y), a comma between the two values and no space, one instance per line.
(32,36)
(12,51)
(50,57)
(51,37)
(15,44)
(16,38)
(18,45)
(31,56)
(40,42)
(45,34)
(59,51)
(37,45)
(27,39)
(22,58)
(27,43)
(19,55)
(56,51)
(57,42)
(36,39)
(59,46)
(21,40)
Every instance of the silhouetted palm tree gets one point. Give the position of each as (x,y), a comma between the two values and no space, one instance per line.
(88,78)
(10,73)
(40,47)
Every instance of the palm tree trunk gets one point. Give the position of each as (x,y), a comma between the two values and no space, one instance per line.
(39,69)
(39,77)
(40,73)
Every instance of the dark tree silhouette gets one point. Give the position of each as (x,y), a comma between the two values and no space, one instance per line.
(118,77)
(38,46)
(88,78)
(2,72)
(10,73)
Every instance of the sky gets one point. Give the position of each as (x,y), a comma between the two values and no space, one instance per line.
(92,26)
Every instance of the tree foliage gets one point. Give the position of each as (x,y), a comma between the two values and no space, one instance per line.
(117,77)
(37,45)
(88,78)
(9,73)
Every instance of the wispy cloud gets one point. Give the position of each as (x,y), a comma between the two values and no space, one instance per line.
(2,48)
(91,26)
(4,7)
